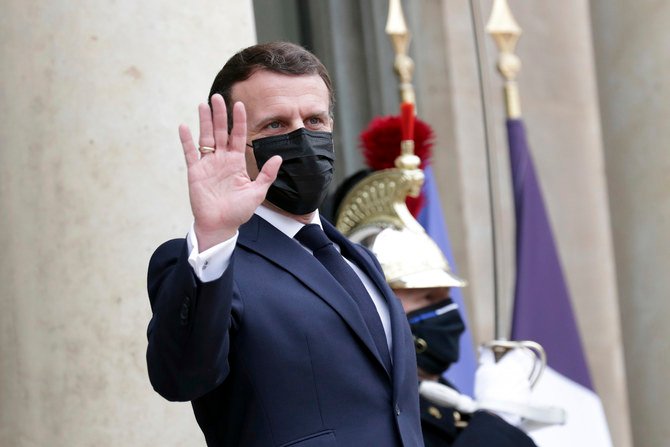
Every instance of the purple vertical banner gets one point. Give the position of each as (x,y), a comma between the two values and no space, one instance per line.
(542,308)
(461,373)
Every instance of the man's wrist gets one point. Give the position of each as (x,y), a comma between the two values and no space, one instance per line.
(209,238)
(208,265)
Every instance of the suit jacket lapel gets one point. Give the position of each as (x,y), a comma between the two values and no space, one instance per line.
(263,238)
(369,264)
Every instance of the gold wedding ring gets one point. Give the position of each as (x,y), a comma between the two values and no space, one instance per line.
(206,150)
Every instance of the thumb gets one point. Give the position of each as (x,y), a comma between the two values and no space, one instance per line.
(268,173)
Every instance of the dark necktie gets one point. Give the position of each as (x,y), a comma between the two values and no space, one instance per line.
(313,237)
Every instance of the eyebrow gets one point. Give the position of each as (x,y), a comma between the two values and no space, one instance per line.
(323,114)
(269,119)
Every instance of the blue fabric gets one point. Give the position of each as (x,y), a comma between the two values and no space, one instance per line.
(313,237)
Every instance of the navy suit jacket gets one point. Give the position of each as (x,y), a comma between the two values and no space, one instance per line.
(273,353)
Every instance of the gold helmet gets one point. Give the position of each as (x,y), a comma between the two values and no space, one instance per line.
(374,214)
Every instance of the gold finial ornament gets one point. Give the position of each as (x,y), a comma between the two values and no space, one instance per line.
(396,29)
(506,32)
(407,160)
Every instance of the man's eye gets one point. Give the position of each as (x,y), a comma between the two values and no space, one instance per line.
(314,120)
(274,125)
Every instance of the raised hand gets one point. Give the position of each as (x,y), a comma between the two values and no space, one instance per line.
(222,194)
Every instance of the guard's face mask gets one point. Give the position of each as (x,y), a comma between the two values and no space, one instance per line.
(306,170)
(437,330)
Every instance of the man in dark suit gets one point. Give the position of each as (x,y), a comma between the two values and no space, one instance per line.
(258,330)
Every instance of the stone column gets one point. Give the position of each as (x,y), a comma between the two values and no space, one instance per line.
(631,43)
(92,179)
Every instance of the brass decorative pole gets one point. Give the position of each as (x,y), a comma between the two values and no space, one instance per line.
(396,29)
(506,32)
(380,198)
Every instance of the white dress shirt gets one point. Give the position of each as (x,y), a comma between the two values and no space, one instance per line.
(211,263)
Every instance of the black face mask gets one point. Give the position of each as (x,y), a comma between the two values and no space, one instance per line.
(437,330)
(306,170)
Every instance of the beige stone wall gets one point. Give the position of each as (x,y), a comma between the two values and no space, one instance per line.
(632,45)
(91,180)
(560,103)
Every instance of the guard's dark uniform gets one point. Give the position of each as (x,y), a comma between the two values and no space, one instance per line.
(445,427)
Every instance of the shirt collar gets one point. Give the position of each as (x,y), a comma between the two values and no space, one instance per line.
(283,223)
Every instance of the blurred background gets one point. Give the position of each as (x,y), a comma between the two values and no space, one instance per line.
(92,180)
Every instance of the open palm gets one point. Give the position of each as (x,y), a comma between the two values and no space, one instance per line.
(222,194)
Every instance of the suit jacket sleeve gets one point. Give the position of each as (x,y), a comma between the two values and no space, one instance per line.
(189,332)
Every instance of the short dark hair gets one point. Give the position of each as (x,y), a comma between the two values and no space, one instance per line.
(279,57)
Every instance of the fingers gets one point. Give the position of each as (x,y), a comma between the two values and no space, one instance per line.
(206,126)
(220,120)
(214,130)
(190,152)
(237,139)
(238,136)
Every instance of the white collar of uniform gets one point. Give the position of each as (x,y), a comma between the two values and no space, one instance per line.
(283,223)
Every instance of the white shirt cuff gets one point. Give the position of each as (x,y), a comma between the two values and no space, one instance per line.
(211,263)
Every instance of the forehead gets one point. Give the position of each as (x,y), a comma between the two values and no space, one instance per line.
(269,92)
